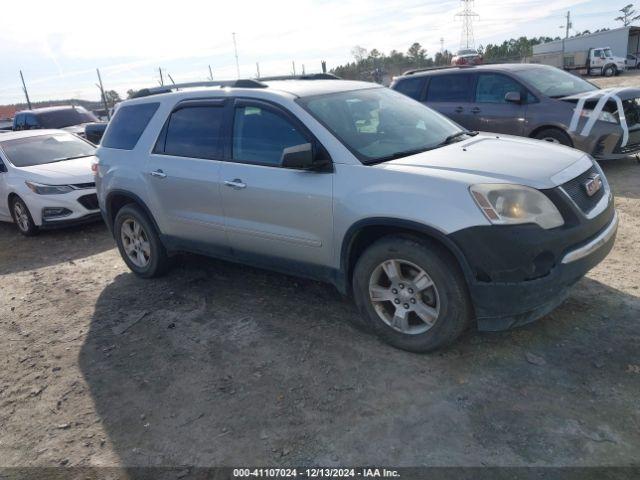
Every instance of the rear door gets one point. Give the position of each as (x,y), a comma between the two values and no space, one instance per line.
(274,213)
(491,112)
(451,95)
(184,175)
(412,87)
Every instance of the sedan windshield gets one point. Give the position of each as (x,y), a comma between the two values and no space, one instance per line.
(42,149)
(379,124)
(554,82)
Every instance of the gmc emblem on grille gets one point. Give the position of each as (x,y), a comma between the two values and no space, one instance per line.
(593,184)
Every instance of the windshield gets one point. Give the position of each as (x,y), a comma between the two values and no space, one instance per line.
(379,124)
(65,117)
(607,53)
(41,149)
(554,82)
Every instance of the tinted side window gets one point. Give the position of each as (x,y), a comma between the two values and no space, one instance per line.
(450,88)
(127,125)
(31,121)
(411,87)
(195,132)
(492,87)
(260,136)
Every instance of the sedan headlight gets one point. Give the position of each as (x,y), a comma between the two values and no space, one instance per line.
(505,204)
(603,117)
(41,189)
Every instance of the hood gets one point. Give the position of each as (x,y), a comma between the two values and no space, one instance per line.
(61,173)
(626,93)
(505,159)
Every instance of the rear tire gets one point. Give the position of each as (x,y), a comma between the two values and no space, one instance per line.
(139,243)
(554,135)
(425,306)
(22,218)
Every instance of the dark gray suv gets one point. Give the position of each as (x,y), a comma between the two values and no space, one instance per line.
(535,101)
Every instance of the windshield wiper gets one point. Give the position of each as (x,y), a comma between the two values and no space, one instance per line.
(401,154)
(452,137)
(69,158)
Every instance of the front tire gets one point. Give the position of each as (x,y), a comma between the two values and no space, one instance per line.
(22,218)
(412,293)
(139,243)
(554,135)
(609,71)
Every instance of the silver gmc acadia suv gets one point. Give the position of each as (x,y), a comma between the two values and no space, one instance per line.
(431,227)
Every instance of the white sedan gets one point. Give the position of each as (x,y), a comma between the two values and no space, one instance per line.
(46,180)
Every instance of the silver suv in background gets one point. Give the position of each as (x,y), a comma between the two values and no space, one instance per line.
(535,101)
(430,227)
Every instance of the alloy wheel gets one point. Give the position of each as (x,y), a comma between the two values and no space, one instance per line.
(404,296)
(22,216)
(135,242)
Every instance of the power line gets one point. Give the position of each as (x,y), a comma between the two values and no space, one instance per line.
(468,17)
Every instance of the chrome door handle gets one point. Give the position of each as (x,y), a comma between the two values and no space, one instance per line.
(158,173)
(236,184)
(459,110)
(475,110)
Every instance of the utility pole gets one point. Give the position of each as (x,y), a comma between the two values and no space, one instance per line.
(161,78)
(303,71)
(24,89)
(468,16)
(235,49)
(569,25)
(323,63)
(210,74)
(258,70)
(104,97)
(293,63)
(441,45)
(171,78)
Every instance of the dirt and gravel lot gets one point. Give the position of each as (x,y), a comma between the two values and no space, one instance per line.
(217,364)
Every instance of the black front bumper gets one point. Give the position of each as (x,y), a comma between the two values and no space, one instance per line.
(52,224)
(518,271)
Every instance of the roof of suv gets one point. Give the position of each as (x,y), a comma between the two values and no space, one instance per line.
(296,88)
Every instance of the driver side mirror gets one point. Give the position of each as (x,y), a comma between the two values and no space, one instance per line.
(3,169)
(298,156)
(513,97)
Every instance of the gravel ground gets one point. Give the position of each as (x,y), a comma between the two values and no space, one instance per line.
(217,364)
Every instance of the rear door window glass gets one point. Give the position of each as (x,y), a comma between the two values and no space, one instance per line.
(411,87)
(195,132)
(127,125)
(450,88)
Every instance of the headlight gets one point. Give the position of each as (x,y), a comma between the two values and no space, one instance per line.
(603,117)
(41,189)
(505,204)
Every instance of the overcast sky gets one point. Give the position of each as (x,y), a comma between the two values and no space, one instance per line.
(59,43)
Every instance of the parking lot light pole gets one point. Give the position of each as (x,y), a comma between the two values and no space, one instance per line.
(104,98)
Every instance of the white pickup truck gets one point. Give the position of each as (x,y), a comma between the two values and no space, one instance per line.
(594,61)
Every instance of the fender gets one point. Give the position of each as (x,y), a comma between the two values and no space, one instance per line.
(136,199)
(347,244)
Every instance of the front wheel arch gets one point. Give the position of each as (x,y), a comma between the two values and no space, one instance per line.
(365,232)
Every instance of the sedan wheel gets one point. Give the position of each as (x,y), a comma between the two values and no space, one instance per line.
(404,296)
(135,242)
(21,215)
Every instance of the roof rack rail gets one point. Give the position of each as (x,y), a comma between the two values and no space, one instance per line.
(241,83)
(309,76)
(429,69)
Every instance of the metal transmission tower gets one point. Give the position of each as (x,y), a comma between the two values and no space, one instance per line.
(468,16)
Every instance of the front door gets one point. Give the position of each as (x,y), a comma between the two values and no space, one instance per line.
(491,112)
(274,214)
(183,175)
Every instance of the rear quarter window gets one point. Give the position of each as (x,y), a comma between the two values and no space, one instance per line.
(127,125)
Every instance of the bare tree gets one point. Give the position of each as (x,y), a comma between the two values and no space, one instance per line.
(359,53)
(628,15)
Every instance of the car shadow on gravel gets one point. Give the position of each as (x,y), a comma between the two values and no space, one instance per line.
(52,246)
(218,364)
(624,177)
